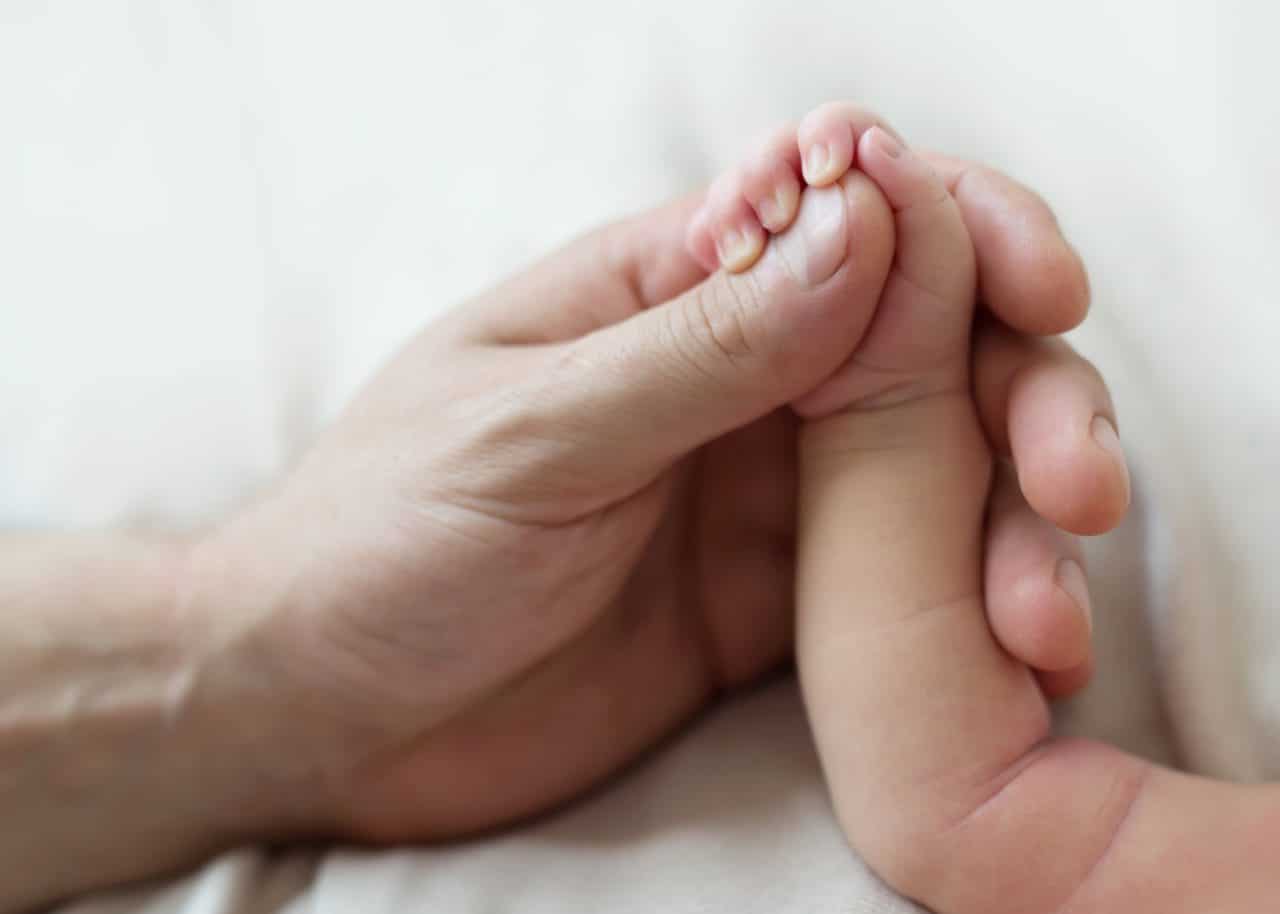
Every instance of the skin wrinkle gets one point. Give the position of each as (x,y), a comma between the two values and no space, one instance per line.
(1136,789)
(726,327)
(856,486)
(271,741)
(997,786)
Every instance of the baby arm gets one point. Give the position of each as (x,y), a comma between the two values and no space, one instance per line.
(935,740)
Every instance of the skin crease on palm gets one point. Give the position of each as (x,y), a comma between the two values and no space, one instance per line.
(559,524)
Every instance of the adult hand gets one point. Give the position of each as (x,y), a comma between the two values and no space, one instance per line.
(562,519)
(549,532)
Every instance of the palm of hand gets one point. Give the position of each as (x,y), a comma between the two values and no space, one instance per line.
(500,618)
(629,620)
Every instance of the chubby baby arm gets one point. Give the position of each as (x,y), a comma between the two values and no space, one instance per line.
(934,737)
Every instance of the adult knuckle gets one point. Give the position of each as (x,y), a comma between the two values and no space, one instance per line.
(719,318)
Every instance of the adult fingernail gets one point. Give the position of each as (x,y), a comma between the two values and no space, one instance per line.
(815,245)
(1074,584)
(1104,433)
(887,143)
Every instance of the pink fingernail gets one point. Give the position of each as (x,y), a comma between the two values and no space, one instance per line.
(1074,584)
(776,211)
(739,248)
(817,164)
(887,143)
(1104,433)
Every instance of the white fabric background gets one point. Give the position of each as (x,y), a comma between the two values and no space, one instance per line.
(217,216)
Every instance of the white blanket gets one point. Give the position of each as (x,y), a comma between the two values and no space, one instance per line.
(217,216)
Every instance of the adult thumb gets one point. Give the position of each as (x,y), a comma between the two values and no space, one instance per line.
(644,392)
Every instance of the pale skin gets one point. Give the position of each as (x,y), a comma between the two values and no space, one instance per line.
(449,616)
(922,688)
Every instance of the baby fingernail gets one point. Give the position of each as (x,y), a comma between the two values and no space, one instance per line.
(816,163)
(775,211)
(738,249)
(886,142)
(1074,584)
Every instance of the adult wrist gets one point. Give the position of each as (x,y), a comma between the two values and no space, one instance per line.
(131,741)
(269,745)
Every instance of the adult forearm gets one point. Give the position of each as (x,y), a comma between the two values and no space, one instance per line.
(124,748)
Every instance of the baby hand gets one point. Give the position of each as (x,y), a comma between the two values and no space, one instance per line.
(922,686)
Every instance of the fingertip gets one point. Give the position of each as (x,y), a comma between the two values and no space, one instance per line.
(1030,276)
(1107,441)
(736,237)
(1036,590)
(1077,484)
(1059,684)
(1040,622)
(1070,464)
(1054,296)
(771,180)
(1071,583)
(826,144)
(698,241)
(878,142)
(909,182)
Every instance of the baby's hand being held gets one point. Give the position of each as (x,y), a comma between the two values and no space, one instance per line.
(916,349)
(934,735)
